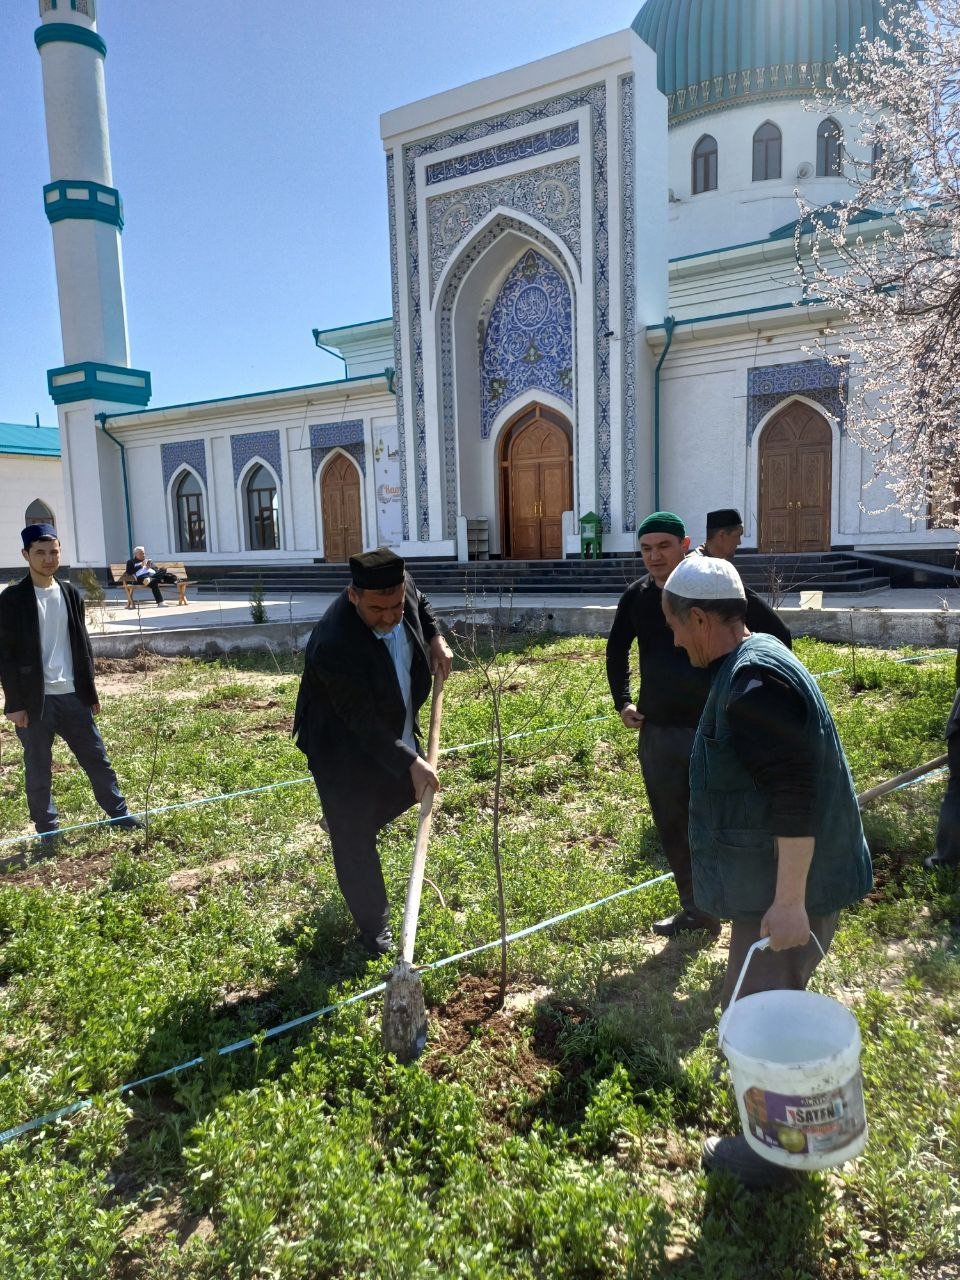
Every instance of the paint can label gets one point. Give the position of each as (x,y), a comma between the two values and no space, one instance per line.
(807,1124)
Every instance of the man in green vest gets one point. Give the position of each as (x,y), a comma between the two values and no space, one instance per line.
(776,841)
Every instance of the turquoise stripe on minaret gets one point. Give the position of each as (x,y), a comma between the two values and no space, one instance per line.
(69,33)
(91,380)
(69,199)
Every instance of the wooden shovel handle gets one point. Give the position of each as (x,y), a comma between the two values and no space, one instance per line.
(865,797)
(411,908)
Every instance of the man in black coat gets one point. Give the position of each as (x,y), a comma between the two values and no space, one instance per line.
(46,669)
(367,673)
(667,709)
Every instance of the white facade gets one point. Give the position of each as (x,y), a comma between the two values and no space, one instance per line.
(27,479)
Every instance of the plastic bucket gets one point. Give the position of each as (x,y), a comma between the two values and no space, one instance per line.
(795,1066)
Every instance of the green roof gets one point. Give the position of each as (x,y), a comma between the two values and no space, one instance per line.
(718,53)
(43,442)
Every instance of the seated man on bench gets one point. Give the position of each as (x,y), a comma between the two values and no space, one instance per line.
(147,574)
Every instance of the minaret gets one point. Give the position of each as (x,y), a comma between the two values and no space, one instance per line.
(86,216)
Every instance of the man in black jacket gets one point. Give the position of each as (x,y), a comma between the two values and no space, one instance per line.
(46,669)
(667,710)
(366,674)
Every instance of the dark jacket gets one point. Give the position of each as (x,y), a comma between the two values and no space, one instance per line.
(672,691)
(21,657)
(350,712)
(733,828)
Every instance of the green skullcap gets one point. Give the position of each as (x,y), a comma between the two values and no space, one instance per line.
(662,522)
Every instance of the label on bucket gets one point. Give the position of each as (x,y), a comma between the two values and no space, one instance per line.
(807,1124)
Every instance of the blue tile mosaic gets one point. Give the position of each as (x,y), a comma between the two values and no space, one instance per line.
(550,195)
(528,342)
(593,97)
(628,326)
(326,436)
(824,383)
(533,144)
(397,345)
(448,415)
(179,453)
(256,444)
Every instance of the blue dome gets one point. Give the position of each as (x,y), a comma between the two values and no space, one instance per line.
(717,53)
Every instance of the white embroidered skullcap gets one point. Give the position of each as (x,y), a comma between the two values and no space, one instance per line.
(705,578)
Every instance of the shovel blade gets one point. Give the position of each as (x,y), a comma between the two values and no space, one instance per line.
(404,1029)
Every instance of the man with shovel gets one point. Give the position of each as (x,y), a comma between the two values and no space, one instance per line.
(776,840)
(367,672)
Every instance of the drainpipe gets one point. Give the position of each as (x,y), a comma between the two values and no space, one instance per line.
(102,419)
(669,323)
(329,350)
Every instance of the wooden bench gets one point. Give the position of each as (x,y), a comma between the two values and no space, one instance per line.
(119,574)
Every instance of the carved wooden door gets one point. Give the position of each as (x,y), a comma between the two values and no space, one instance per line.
(795,463)
(340,504)
(537,487)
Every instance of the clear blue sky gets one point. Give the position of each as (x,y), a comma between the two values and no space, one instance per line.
(245,143)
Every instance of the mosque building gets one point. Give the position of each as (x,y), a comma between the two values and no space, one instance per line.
(595,309)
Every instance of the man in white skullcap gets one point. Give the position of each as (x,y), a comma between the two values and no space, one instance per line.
(776,840)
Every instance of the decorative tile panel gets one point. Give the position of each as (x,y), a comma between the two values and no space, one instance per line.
(817,380)
(256,444)
(551,195)
(593,97)
(397,345)
(529,340)
(325,436)
(180,453)
(448,411)
(628,325)
(534,144)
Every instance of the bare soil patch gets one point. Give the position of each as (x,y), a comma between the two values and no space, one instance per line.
(36,869)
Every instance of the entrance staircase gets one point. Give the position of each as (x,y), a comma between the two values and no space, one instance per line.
(829,571)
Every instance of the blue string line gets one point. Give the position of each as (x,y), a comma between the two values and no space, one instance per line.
(18,1131)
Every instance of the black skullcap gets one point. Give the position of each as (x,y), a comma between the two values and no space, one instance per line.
(725,518)
(34,532)
(376,570)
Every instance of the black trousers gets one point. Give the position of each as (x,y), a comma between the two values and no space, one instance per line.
(664,753)
(948,827)
(355,816)
(788,970)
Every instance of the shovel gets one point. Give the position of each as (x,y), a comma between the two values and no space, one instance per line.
(404,1013)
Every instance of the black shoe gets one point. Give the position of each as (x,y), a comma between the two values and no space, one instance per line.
(127,823)
(379,945)
(687,922)
(937,862)
(735,1156)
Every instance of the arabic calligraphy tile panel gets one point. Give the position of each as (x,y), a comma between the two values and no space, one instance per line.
(180,453)
(551,195)
(529,339)
(533,144)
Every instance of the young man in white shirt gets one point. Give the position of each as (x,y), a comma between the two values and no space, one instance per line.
(46,670)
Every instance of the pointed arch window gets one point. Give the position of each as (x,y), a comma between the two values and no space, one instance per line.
(190,513)
(704,176)
(39,513)
(829,148)
(767,149)
(262,510)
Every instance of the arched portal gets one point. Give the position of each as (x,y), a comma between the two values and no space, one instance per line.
(536,483)
(795,468)
(340,504)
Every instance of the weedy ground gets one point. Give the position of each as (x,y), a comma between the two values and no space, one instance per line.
(557,1137)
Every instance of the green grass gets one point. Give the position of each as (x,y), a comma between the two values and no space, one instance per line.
(559,1138)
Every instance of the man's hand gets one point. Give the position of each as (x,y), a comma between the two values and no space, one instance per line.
(423,775)
(441,657)
(95,708)
(631,717)
(787,926)
(19,719)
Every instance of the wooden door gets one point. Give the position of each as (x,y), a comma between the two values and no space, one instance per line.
(537,485)
(340,504)
(795,464)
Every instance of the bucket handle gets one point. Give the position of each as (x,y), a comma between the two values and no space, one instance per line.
(759,945)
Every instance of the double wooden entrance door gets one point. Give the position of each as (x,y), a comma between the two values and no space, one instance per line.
(536,485)
(340,504)
(795,458)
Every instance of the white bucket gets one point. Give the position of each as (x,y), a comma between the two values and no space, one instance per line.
(795,1066)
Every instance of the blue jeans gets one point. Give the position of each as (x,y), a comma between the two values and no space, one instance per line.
(65,714)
